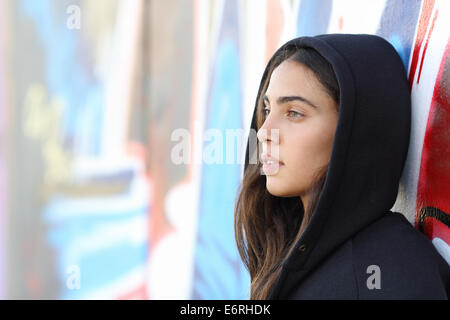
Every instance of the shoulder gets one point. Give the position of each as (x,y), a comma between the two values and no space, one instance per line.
(404,259)
(395,237)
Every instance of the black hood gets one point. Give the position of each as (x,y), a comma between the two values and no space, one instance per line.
(370,143)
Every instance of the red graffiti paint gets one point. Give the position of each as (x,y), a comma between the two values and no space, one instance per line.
(433,228)
(139,293)
(424,20)
(341,23)
(426,45)
(433,188)
(274,27)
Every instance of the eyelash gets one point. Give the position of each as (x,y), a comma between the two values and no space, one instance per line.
(290,111)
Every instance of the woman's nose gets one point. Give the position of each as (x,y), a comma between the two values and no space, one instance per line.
(268,132)
(262,134)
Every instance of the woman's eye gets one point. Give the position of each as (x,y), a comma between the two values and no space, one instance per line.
(290,114)
(294,114)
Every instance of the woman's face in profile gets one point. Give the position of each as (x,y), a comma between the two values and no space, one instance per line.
(306,116)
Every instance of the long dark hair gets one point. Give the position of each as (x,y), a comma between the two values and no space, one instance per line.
(266,226)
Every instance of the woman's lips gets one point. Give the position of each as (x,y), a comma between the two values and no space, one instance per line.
(271,165)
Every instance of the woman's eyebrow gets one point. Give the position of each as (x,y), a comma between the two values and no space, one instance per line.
(286,99)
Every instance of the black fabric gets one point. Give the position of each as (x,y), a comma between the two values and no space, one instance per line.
(352,226)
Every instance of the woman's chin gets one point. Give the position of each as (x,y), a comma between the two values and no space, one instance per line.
(278,190)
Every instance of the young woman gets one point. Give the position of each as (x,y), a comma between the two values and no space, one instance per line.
(313,219)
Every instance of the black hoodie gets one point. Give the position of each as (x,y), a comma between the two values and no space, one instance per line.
(354,247)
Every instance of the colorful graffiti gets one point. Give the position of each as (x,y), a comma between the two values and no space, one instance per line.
(433,206)
(88,196)
(101,210)
(423,195)
(216,259)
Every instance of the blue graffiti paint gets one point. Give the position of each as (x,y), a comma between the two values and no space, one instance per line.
(99,263)
(398,24)
(219,272)
(313,17)
(68,75)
